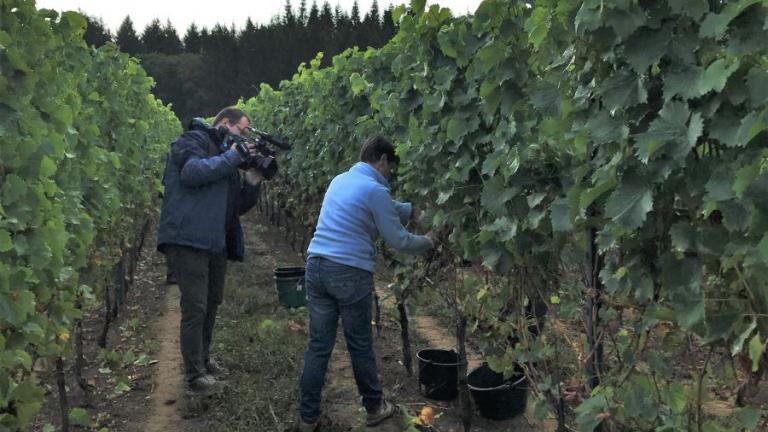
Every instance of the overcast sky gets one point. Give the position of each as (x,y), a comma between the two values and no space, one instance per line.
(207,13)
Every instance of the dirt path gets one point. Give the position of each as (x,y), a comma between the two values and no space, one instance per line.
(168,387)
(342,411)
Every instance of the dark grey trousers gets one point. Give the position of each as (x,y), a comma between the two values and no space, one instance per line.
(201,281)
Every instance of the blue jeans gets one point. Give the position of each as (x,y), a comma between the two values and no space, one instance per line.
(335,290)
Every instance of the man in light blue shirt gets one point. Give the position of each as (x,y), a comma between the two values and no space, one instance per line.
(356,210)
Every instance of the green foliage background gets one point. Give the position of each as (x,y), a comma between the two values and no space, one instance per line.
(81,151)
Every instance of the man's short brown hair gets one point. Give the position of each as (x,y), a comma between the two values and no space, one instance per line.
(231,113)
(375,147)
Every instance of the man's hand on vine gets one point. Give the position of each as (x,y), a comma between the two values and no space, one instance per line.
(433,238)
(420,217)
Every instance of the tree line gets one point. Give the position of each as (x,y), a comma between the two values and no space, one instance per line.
(210,68)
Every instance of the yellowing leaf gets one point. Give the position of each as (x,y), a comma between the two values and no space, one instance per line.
(756,350)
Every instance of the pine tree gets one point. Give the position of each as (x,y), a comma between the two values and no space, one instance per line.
(126,38)
(171,43)
(289,19)
(253,67)
(303,13)
(221,61)
(249,29)
(96,33)
(326,18)
(354,16)
(153,37)
(193,40)
(372,21)
(313,20)
(388,23)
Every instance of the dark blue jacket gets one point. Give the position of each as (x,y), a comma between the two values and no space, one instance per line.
(204,197)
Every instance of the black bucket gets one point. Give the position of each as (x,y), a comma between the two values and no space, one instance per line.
(438,373)
(495,397)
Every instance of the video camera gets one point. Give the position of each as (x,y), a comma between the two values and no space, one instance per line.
(264,162)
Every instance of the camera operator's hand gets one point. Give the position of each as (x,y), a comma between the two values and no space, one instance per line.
(253,177)
(252,151)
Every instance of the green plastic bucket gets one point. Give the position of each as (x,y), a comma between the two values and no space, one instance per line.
(289,284)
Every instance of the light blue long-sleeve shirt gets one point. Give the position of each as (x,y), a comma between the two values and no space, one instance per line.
(357,209)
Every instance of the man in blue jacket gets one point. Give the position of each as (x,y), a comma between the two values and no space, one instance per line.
(200,229)
(357,209)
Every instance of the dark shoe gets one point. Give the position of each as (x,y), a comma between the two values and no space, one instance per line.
(383,412)
(214,368)
(302,426)
(203,384)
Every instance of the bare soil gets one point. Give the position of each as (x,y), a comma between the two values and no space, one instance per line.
(138,330)
(169,384)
